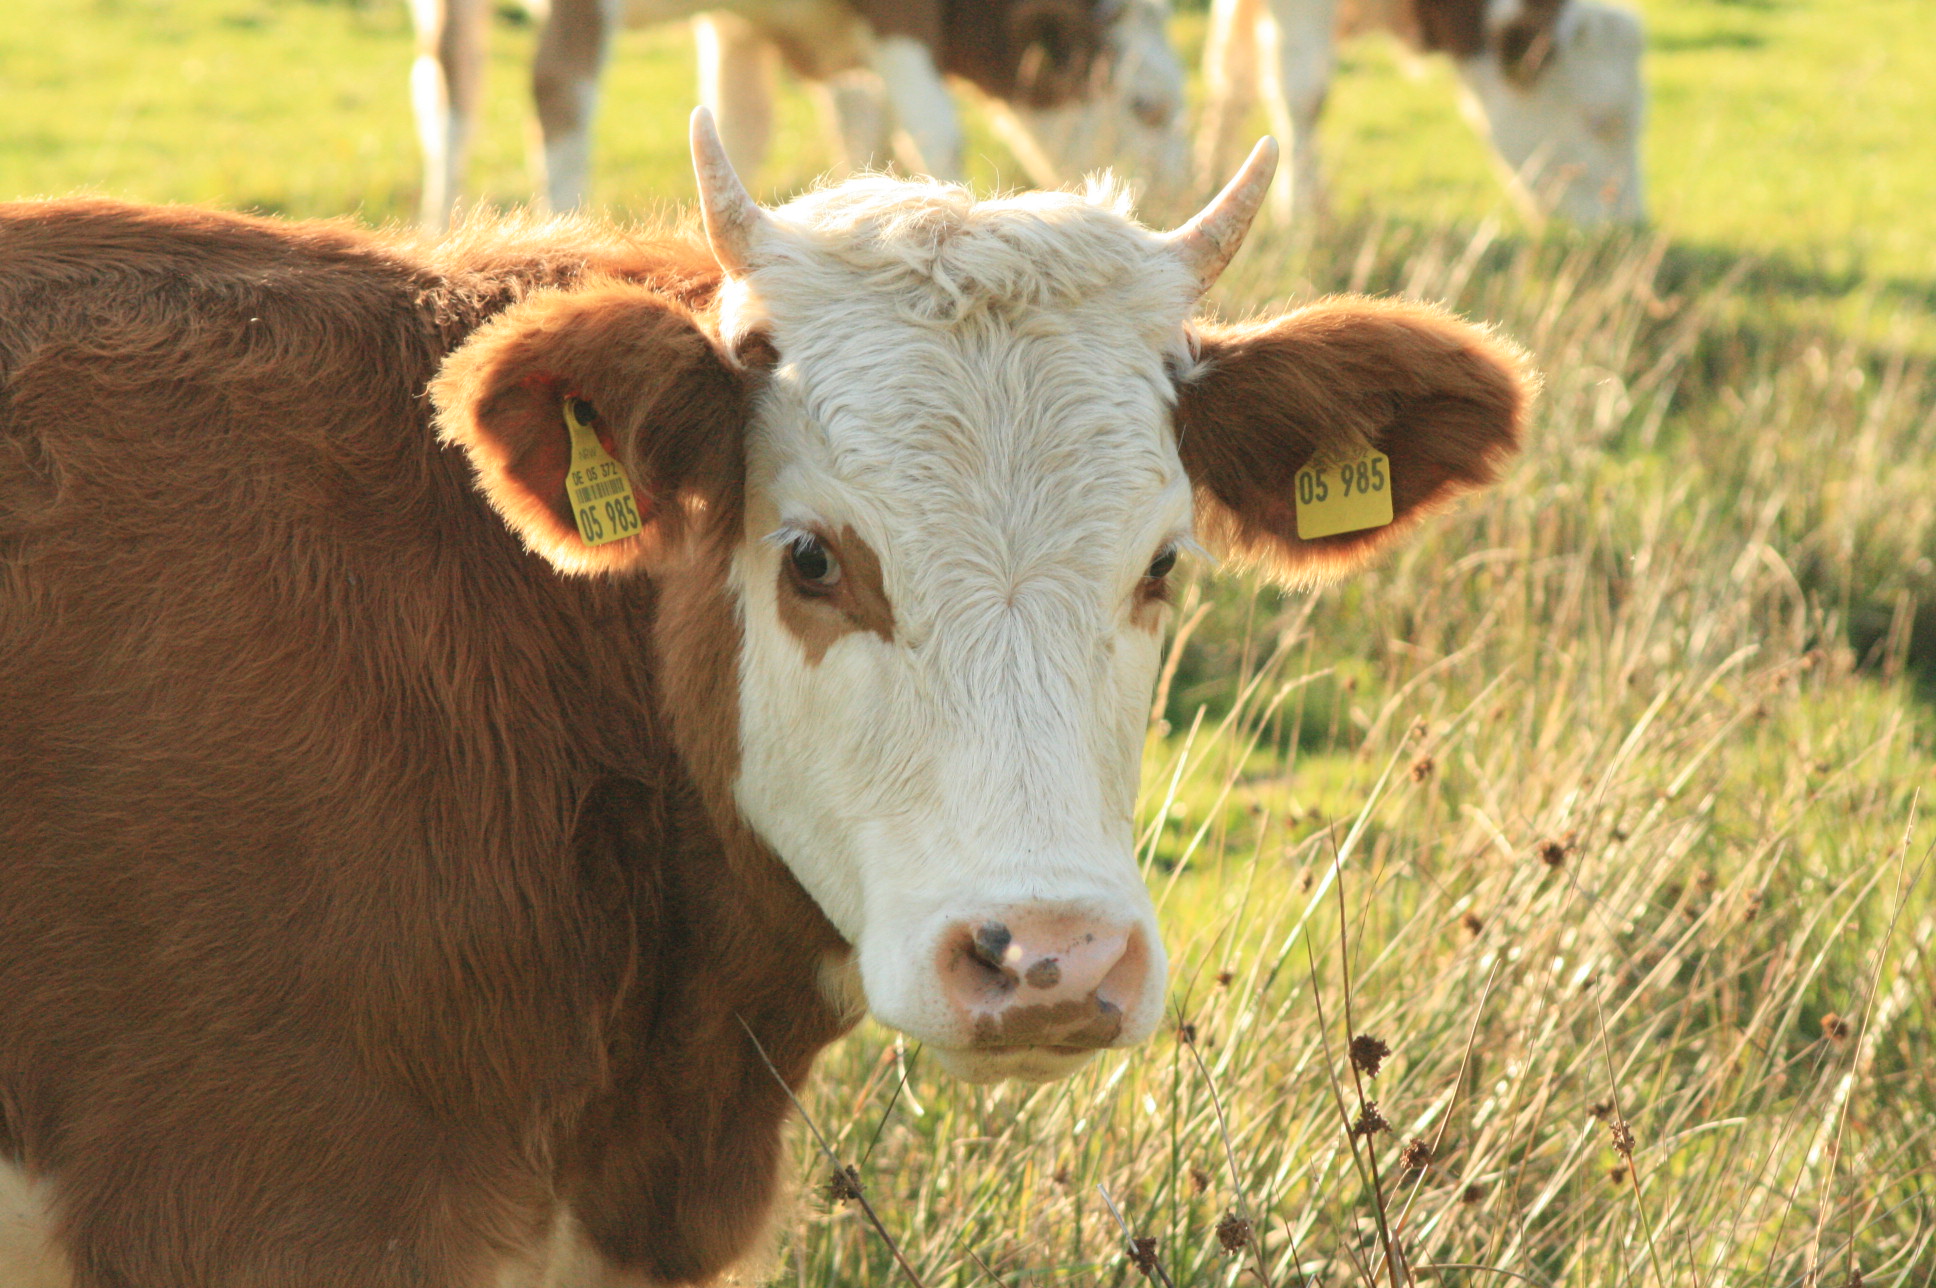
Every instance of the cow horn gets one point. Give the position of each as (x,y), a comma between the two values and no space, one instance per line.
(1208,241)
(728,208)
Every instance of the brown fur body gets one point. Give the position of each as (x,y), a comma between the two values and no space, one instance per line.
(368,891)
(1458,28)
(1037,53)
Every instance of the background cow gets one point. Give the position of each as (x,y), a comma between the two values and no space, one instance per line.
(1555,84)
(408,876)
(1075,85)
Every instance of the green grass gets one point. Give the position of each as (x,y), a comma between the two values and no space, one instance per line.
(1794,128)
(1619,773)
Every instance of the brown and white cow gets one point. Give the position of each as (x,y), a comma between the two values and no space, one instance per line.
(1075,85)
(397,888)
(1554,84)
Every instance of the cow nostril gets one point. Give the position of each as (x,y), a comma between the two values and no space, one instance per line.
(990,944)
(1044,974)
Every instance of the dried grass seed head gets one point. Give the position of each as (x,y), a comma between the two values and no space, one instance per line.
(1369,1122)
(843,1185)
(1368,1054)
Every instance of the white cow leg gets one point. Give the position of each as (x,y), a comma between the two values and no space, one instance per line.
(564,82)
(736,82)
(1517,135)
(1230,89)
(446,80)
(922,107)
(1295,44)
(854,107)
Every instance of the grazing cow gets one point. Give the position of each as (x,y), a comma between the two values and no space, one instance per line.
(1076,84)
(407,876)
(1554,83)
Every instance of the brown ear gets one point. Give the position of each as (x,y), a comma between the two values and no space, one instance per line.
(1444,400)
(666,404)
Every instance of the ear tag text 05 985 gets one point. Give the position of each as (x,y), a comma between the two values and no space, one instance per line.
(1344,496)
(600,492)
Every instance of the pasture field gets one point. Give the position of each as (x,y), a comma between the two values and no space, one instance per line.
(1790,127)
(1605,804)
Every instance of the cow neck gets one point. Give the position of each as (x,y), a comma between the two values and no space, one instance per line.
(677,1169)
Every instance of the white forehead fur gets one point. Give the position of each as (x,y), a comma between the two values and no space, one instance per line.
(942,255)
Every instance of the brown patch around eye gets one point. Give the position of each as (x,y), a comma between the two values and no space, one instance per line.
(856,602)
(1147,602)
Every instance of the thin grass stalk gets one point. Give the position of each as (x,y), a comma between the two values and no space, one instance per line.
(1623,1142)
(1236,1176)
(1141,1254)
(849,1175)
(1350,1032)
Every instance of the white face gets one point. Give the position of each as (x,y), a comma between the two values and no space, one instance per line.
(1133,123)
(959,475)
(1572,137)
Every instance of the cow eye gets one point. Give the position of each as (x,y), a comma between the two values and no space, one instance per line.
(814,566)
(1160,566)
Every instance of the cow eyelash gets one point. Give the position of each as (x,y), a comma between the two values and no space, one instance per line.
(1166,556)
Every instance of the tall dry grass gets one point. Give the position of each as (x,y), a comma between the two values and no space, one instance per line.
(1601,806)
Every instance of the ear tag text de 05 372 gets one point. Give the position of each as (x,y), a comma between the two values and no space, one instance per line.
(1344,496)
(600,492)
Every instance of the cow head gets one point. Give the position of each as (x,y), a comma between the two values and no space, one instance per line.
(953,450)
(1561,96)
(1120,108)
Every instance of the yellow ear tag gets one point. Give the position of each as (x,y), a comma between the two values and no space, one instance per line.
(600,492)
(1348,496)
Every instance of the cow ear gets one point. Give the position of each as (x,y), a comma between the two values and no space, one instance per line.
(1444,401)
(647,380)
